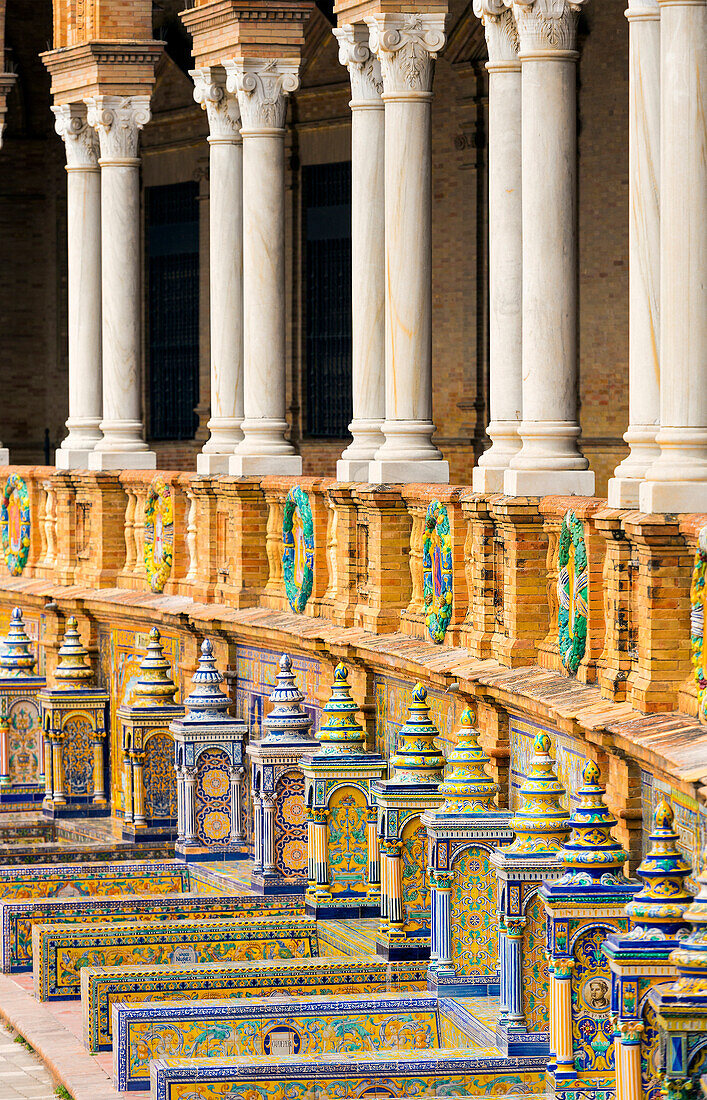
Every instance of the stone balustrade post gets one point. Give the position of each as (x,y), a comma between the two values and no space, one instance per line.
(226,267)
(406,46)
(83,214)
(549,460)
(367,252)
(118,121)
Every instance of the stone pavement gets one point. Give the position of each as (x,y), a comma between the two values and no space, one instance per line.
(22,1075)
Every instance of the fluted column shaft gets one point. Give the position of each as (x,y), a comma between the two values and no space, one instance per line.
(406,46)
(262,87)
(118,121)
(677,480)
(367,252)
(83,216)
(505,245)
(644,252)
(549,460)
(226,268)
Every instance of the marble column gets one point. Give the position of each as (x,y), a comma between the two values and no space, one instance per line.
(505,245)
(262,87)
(118,121)
(83,216)
(367,252)
(226,268)
(406,46)
(549,460)
(644,252)
(677,480)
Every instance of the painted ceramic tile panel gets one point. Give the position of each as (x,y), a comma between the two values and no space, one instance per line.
(592,1029)
(474,922)
(650,1055)
(348,842)
(568,760)
(416,887)
(125,651)
(160,778)
(17,918)
(392,702)
(256,673)
(78,756)
(290,825)
(24,740)
(535,969)
(333,1033)
(67,880)
(687,822)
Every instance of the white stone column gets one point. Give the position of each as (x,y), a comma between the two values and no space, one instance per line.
(406,46)
(118,121)
(367,252)
(505,245)
(549,460)
(644,252)
(677,480)
(226,268)
(83,216)
(262,87)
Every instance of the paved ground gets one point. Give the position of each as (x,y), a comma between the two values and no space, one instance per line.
(22,1075)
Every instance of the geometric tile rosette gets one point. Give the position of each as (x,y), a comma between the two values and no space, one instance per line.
(572,592)
(697,621)
(213,797)
(535,967)
(298,548)
(474,923)
(290,825)
(437,571)
(15,524)
(159,534)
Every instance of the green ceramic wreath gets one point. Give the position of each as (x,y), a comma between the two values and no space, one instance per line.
(572,592)
(437,571)
(298,553)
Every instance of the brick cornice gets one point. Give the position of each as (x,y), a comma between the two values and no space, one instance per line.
(102,68)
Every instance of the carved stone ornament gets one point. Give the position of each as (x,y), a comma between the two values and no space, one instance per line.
(363,65)
(547,24)
(221,106)
(406,46)
(500,29)
(262,87)
(118,121)
(80,139)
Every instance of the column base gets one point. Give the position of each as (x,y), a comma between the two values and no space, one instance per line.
(265,465)
(623,492)
(673,496)
(210,464)
(4,456)
(122,460)
(353,469)
(395,472)
(545,483)
(487,479)
(72,459)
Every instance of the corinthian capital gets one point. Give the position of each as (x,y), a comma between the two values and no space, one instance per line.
(118,121)
(80,139)
(406,46)
(363,65)
(547,24)
(500,29)
(221,106)
(262,87)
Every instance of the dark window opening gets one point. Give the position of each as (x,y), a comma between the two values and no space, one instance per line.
(172,223)
(327,228)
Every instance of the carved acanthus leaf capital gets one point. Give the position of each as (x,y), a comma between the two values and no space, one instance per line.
(547,24)
(363,65)
(221,106)
(80,139)
(262,87)
(118,121)
(500,29)
(406,46)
